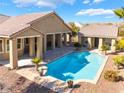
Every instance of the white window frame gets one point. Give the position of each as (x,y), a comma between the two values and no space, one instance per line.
(2,46)
(6,45)
(17,44)
(20,44)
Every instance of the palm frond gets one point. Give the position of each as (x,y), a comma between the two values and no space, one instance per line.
(119,12)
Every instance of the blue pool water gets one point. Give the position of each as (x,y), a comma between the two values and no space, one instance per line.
(76,66)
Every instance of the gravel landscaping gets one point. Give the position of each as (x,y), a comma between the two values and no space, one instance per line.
(103,86)
(10,82)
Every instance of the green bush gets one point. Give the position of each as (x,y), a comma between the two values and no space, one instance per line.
(120,45)
(77,45)
(118,60)
(111,75)
(105,48)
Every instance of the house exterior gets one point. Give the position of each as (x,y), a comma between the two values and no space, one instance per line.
(95,35)
(31,34)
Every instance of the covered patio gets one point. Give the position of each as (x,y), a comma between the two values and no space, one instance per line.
(25,43)
(96,35)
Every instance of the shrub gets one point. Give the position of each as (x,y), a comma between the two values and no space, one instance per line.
(105,48)
(77,45)
(118,60)
(70,83)
(120,45)
(111,75)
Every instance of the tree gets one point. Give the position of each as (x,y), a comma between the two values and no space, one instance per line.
(105,48)
(119,12)
(36,61)
(118,60)
(74,28)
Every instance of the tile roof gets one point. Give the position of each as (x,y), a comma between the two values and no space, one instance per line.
(17,23)
(103,30)
(3,18)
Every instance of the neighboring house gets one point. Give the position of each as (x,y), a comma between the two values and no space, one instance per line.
(95,35)
(31,34)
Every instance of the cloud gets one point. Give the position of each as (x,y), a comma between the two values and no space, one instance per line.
(93,12)
(111,16)
(98,1)
(86,1)
(42,3)
(90,2)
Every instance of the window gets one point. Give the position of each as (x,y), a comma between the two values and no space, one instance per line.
(19,43)
(1,45)
(7,45)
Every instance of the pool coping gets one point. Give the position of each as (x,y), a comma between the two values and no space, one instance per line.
(97,77)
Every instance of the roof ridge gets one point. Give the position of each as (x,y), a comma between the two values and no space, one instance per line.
(4,15)
(47,12)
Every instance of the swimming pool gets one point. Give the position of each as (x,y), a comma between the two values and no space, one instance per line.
(76,66)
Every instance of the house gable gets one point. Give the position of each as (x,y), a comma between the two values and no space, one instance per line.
(51,23)
(28,32)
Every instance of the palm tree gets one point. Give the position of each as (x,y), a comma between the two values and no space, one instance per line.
(119,12)
(36,61)
(74,28)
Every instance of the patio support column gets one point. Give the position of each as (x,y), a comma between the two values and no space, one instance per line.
(39,47)
(65,39)
(13,53)
(89,42)
(53,41)
(113,42)
(45,43)
(70,39)
(61,40)
(32,47)
(100,43)
(80,39)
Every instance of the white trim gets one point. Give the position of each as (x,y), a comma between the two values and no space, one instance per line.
(5,36)
(58,33)
(2,46)
(29,36)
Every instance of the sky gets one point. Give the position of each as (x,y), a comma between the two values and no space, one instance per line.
(83,11)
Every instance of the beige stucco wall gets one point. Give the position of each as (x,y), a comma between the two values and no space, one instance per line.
(50,24)
(5,54)
(29,32)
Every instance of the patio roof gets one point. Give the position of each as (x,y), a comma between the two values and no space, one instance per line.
(99,30)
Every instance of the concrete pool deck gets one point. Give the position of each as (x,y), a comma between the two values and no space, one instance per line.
(47,81)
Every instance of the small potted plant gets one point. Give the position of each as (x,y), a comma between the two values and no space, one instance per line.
(36,61)
(70,83)
(42,70)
